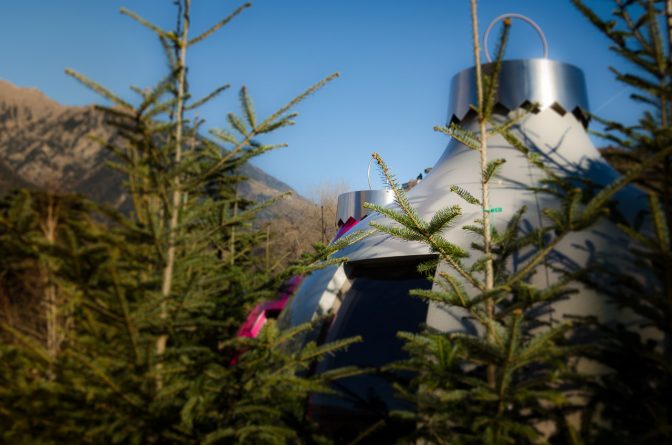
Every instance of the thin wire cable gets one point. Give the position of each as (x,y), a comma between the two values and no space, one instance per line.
(611,99)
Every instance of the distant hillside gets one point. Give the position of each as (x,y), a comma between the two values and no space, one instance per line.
(46,145)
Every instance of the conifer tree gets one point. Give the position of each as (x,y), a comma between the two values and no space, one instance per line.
(156,298)
(512,380)
(637,393)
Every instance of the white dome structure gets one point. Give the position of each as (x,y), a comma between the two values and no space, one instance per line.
(374,285)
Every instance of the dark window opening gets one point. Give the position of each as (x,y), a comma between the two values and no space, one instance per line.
(376,307)
(273,313)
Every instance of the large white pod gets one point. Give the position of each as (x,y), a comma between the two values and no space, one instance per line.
(381,269)
(557,132)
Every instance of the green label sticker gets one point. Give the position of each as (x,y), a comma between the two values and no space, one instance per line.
(495,210)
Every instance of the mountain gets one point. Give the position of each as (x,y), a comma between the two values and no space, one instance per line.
(46,145)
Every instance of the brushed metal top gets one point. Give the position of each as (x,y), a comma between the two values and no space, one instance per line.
(351,204)
(541,81)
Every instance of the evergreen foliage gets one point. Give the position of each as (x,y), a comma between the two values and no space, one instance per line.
(137,339)
(637,394)
(122,329)
(513,377)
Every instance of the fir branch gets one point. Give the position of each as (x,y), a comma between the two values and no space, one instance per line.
(638,236)
(456,287)
(478,349)
(531,156)
(462,135)
(238,124)
(596,204)
(477,230)
(398,232)
(656,37)
(109,382)
(219,25)
(464,194)
(345,241)
(635,32)
(246,103)
(291,333)
(223,135)
(643,99)
(444,247)
(400,198)
(538,347)
(505,373)
(492,169)
(218,435)
(394,215)
(508,238)
(131,330)
(285,121)
(531,264)
(500,127)
(152,96)
(638,82)
(450,299)
(168,52)
(268,124)
(494,294)
(329,348)
(99,89)
(297,100)
(149,25)
(493,80)
(659,224)
(427,268)
(343,372)
(32,345)
(443,219)
(367,432)
(606,27)
(207,98)
(417,225)
(571,206)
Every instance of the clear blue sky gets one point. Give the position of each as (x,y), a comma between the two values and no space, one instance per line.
(396,59)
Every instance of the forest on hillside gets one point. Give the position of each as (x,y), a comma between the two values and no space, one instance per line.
(123,325)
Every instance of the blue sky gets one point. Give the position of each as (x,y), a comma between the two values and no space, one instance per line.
(396,59)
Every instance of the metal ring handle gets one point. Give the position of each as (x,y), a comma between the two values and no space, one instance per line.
(368,172)
(527,20)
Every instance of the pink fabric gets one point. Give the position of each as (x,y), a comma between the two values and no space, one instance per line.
(345,228)
(270,309)
(253,323)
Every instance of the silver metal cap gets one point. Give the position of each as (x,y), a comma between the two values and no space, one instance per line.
(351,204)
(545,82)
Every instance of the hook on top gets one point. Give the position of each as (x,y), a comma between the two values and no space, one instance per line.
(368,172)
(512,15)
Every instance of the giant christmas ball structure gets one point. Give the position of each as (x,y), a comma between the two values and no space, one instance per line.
(373,286)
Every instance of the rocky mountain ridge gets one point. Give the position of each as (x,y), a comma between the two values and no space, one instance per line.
(49,145)
(46,145)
